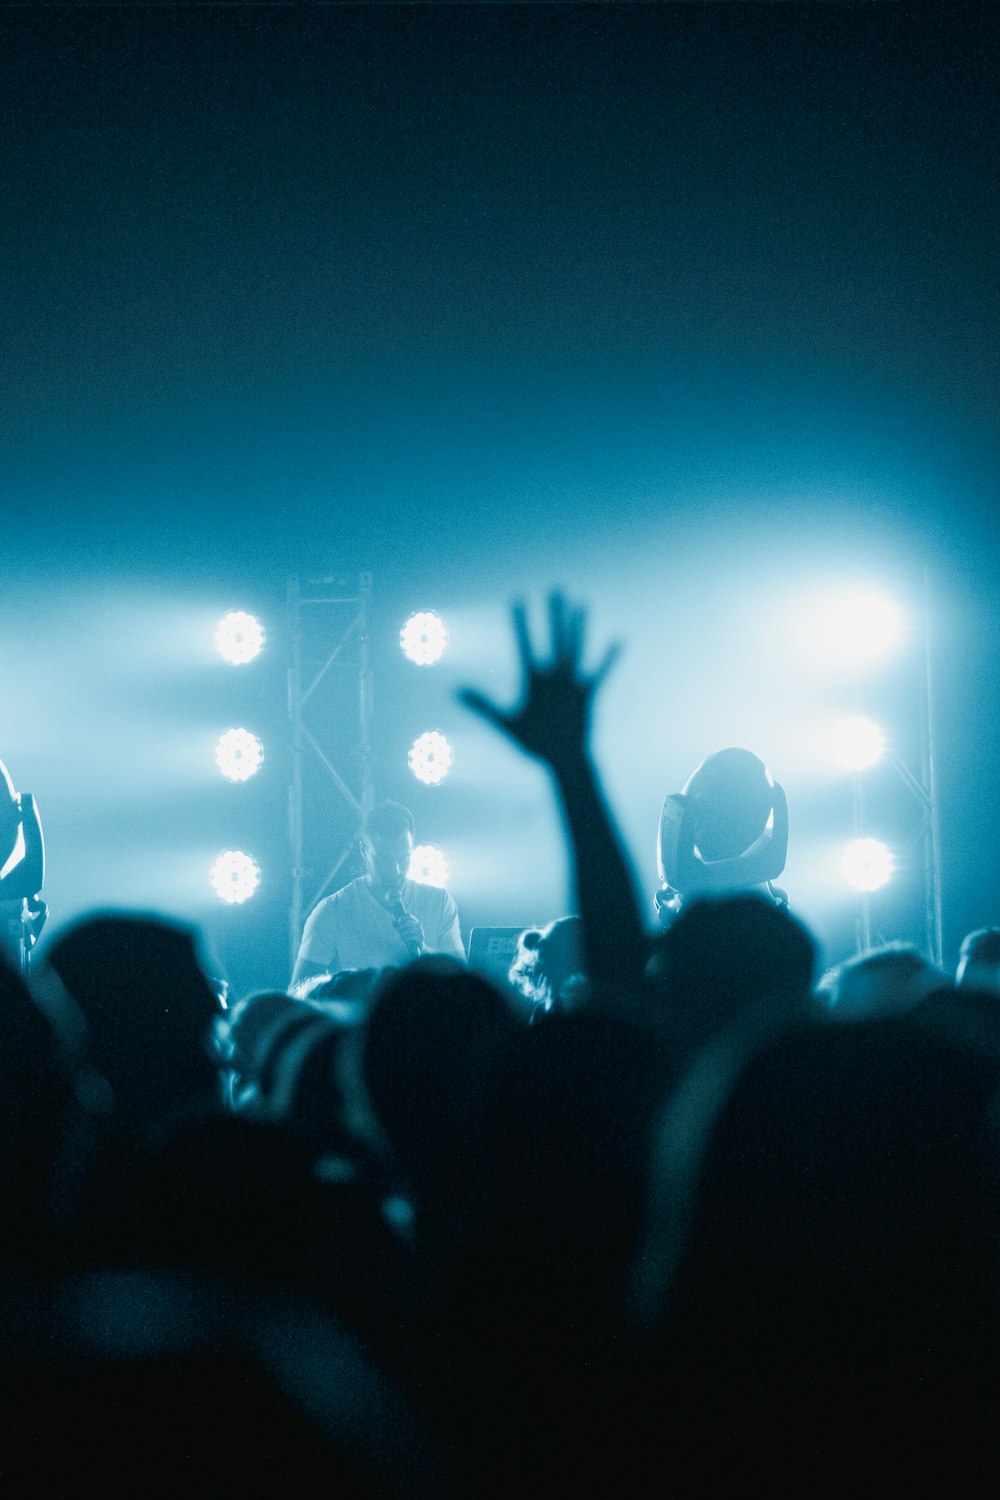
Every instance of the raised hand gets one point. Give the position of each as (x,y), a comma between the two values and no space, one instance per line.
(552,718)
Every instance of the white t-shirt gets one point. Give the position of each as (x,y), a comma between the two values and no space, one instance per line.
(353,930)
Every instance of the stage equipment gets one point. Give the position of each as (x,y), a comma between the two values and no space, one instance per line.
(726,831)
(921,846)
(858,743)
(239,637)
(22,872)
(235,876)
(861,626)
(238,754)
(868,864)
(492,950)
(330,714)
(424,637)
(428,866)
(430,758)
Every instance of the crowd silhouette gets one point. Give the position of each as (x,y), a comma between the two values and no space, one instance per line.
(675,1207)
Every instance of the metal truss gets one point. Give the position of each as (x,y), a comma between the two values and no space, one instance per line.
(330,712)
(922,786)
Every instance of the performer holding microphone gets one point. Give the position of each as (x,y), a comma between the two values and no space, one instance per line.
(381,918)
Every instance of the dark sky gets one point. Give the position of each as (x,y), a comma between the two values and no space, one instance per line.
(488,297)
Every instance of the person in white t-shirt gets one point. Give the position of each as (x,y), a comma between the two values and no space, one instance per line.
(381,918)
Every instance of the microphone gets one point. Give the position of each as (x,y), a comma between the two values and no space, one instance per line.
(394,902)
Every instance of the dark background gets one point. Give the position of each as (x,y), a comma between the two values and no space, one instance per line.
(691,309)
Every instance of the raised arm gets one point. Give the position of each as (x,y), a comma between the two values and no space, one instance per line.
(551,723)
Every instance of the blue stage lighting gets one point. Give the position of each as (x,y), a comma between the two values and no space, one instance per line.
(428,866)
(239,637)
(424,637)
(235,876)
(430,758)
(239,754)
(858,743)
(868,864)
(862,624)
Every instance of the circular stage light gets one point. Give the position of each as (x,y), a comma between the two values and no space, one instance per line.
(430,758)
(428,866)
(858,744)
(239,637)
(238,754)
(423,637)
(868,864)
(235,876)
(862,625)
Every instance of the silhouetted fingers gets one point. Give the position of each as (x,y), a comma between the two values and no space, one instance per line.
(576,627)
(481,705)
(610,657)
(519,618)
(557,625)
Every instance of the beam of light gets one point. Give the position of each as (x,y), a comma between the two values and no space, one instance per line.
(430,757)
(239,637)
(423,637)
(428,866)
(235,876)
(867,864)
(238,754)
(858,744)
(861,625)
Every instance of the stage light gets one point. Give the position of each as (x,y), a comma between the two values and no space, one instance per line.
(239,754)
(868,864)
(428,866)
(235,876)
(423,637)
(430,758)
(727,830)
(861,625)
(858,744)
(239,637)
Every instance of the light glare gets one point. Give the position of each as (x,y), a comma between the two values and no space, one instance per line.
(423,637)
(235,876)
(239,637)
(868,864)
(858,744)
(430,758)
(428,866)
(862,625)
(238,754)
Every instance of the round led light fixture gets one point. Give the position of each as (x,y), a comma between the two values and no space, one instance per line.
(423,637)
(238,754)
(430,758)
(239,637)
(428,866)
(235,876)
(868,864)
(858,744)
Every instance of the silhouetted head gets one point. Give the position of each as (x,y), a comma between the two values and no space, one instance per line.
(979,960)
(245,1034)
(148,1006)
(884,981)
(38,1107)
(435,1033)
(548,968)
(341,993)
(724,953)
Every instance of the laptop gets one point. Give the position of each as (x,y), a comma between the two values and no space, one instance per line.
(492,949)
